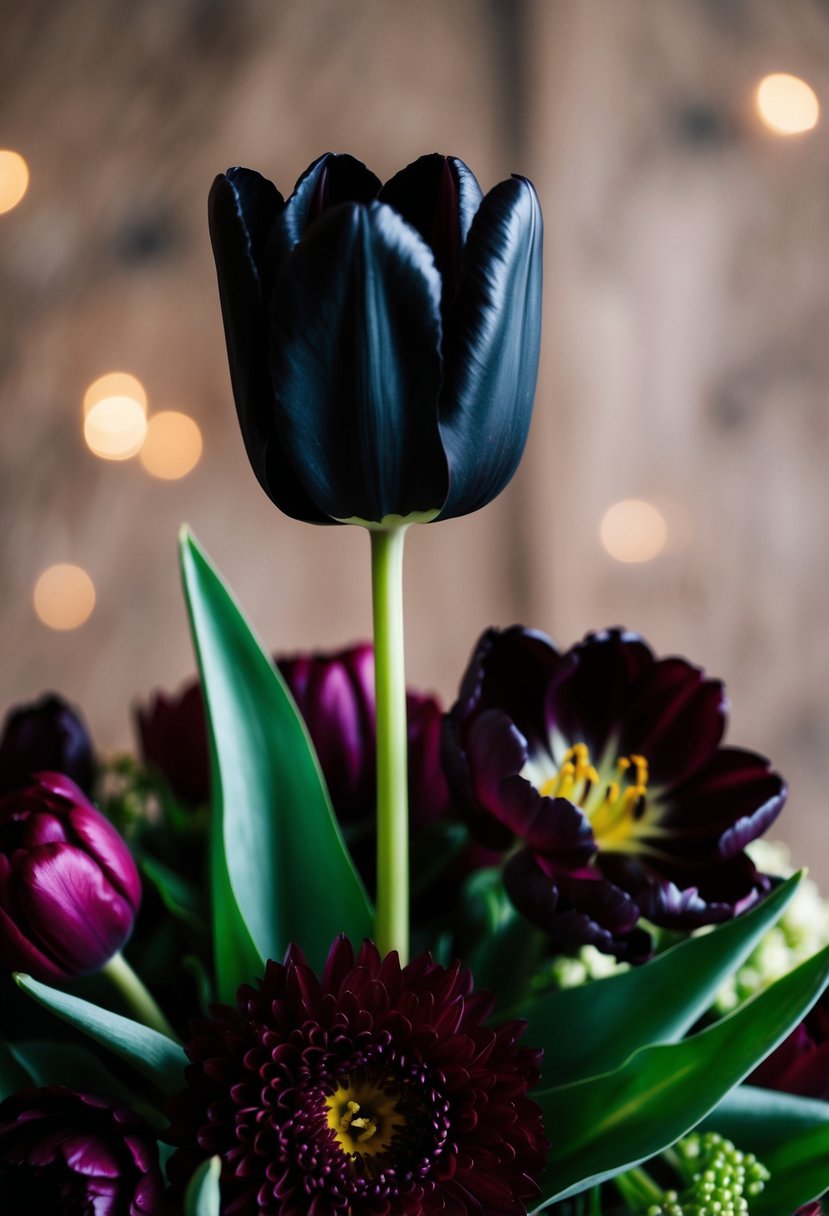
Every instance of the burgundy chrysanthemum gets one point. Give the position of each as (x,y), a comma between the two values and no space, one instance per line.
(600,771)
(74,1155)
(375,1090)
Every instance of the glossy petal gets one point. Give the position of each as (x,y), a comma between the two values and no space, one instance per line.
(332,179)
(242,209)
(590,704)
(355,339)
(491,349)
(68,905)
(439,196)
(677,720)
(100,840)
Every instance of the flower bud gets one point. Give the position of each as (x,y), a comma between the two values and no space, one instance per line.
(45,735)
(66,1152)
(69,888)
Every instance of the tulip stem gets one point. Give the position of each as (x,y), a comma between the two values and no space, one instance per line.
(121,974)
(392,916)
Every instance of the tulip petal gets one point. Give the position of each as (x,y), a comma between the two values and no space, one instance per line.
(71,908)
(19,954)
(102,842)
(356,372)
(332,179)
(242,209)
(492,347)
(439,196)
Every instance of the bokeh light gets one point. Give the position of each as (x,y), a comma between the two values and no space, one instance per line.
(173,445)
(633,530)
(787,104)
(64,596)
(115,428)
(14,179)
(115,384)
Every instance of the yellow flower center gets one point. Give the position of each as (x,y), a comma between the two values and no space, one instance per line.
(615,805)
(364,1116)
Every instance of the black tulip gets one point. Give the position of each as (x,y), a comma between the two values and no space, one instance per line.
(383,339)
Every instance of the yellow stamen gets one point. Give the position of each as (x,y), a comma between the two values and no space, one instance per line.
(614,813)
(364,1116)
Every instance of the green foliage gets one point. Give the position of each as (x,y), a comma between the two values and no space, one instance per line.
(792,1136)
(280,869)
(595,1027)
(605,1124)
(151,1053)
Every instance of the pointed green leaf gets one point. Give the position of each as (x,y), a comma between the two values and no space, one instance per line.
(789,1134)
(151,1053)
(281,871)
(595,1027)
(606,1124)
(203,1197)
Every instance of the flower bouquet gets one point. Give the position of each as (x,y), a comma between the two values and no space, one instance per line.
(522,956)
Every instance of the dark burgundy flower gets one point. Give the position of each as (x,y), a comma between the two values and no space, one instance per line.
(69,889)
(800,1065)
(335,695)
(47,734)
(375,1090)
(601,771)
(810,1209)
(69,1154)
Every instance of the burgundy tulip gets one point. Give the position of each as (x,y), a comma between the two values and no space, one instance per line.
(70,1154)
(335,695)
(69,888)
(47,734)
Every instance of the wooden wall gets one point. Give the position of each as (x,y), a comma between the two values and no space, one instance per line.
(685,355)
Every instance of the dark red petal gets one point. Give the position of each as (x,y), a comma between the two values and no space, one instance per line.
(591,703)
(676,720)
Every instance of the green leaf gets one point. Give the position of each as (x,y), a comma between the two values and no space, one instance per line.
(281,871)
(13,1074)
(49,1062)
(593,1028)
(203,1197)
(151,1053)
(606,1124)
(788,1133)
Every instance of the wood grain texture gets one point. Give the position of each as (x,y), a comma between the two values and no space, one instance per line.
(685,360)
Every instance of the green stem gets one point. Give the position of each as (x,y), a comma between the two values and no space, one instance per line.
(392,917)
(121,974)
(637,1189)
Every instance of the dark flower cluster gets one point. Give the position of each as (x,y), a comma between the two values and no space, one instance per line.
(600,772)
(375,1090)
(69,1154)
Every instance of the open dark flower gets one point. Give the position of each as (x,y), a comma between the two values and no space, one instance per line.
(800,1065)
(600,770)
(74,1155)
(69,889)
(383,339)
(374,1090)
(47,734)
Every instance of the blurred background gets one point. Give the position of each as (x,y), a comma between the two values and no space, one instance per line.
(676,476)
